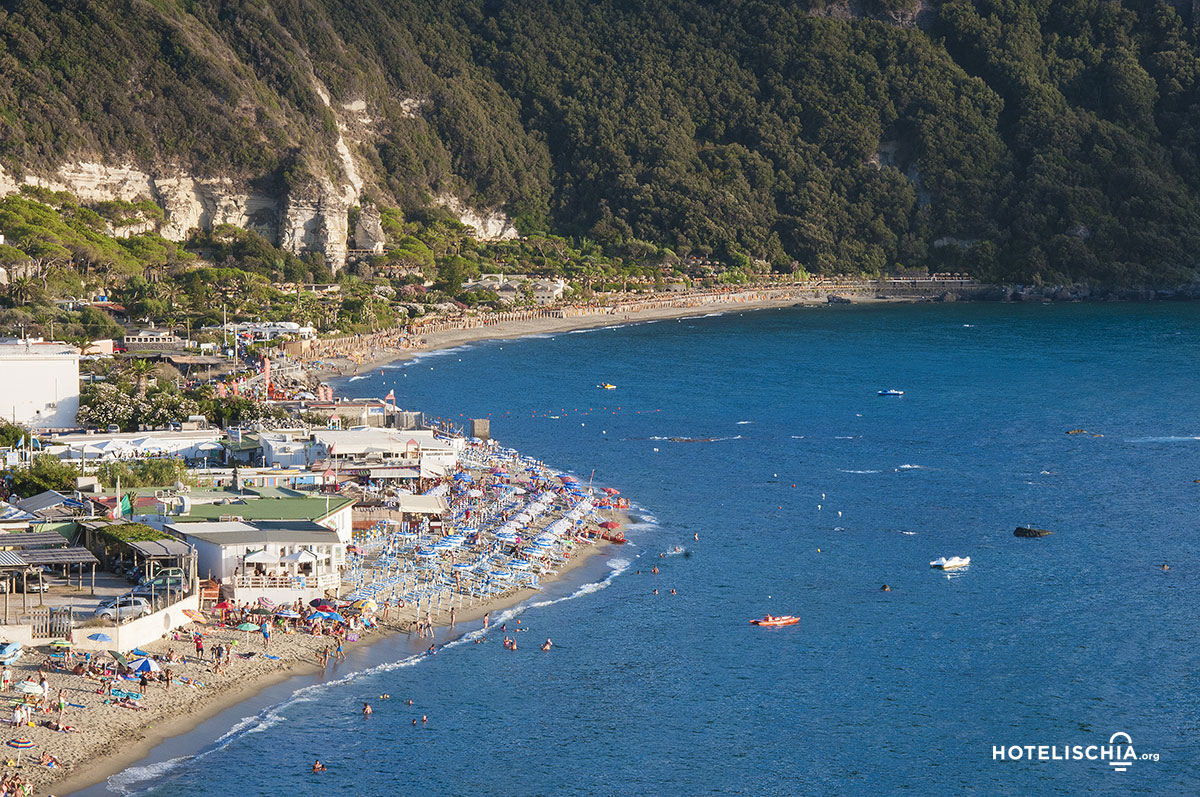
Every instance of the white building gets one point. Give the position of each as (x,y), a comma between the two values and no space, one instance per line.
(403,448)
(39,384)
(281,560)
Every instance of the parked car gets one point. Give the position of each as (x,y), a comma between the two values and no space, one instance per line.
(158,587)
(30,583)
(126,606)
(113,428)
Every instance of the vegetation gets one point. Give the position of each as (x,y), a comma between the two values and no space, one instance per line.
(125,533)
(142,473)
(45,472)
(1017,139)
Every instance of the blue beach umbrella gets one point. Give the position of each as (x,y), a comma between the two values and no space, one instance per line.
(100,637)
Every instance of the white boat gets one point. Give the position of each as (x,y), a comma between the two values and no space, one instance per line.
(891,392)
(949,563)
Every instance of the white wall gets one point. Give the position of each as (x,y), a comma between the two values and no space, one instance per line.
(39,385)
(141,631)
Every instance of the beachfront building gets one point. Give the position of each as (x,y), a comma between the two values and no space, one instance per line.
(154,340)
(280,560)
(338,449)
(547,291)
(260,331)
(39,384)
(334,512)
(84,447)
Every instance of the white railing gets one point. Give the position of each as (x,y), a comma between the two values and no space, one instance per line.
(319,581)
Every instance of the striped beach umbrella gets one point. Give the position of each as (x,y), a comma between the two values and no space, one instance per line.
(60,643)
(21,744)
(194,616)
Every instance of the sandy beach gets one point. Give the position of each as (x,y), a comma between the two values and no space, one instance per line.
(108,738)
(510,330)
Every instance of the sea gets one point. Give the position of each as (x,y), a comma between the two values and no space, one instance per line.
(763,434)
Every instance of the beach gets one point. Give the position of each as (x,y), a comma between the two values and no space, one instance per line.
(109,737)
(471,330)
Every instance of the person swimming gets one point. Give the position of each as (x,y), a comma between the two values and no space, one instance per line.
(548,644)
(318,766)
(366,712)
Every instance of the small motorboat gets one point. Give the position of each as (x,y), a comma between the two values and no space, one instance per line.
(773,621)
(891,392)
(606,386)
(949,563)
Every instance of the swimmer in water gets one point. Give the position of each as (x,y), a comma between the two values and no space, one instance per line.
(385,696)
(318,766)
(548,645)
(366,709)
(424,719)
(655,570)
(672,590)
(696,536)
(410,701)
(656,592)
(414,722)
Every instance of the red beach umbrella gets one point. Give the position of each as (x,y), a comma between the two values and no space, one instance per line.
(610,524)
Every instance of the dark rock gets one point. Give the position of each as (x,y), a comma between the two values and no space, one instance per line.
(947,297)
(835,299)
(1025,531)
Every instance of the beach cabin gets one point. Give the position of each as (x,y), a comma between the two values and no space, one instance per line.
(281,560)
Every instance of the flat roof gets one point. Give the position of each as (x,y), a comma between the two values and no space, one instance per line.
(32,539)
(59,556)
(269,509)
(161,548)
(263,536)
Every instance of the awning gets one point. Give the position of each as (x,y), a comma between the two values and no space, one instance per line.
(262,558)
(299,556)
(423,504)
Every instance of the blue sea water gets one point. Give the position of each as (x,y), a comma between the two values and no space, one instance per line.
(808,492)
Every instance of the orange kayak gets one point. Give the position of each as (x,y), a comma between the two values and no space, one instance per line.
(770,621)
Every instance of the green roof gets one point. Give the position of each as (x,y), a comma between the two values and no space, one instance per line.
(268,509)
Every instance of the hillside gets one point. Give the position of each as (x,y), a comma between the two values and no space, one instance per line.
(1020,140)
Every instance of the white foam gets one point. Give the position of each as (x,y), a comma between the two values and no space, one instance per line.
(356,378)
(1163,440)
(124,781)
(743,423)
(911,467)
(847,437)
(841,470)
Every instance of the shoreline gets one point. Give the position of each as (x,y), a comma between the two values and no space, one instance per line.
(158,728)
(514,330)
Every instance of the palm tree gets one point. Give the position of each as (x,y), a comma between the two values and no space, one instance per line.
(141,370)
(20,290)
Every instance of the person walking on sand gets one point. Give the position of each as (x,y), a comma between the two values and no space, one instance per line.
(451,616)
(266,632)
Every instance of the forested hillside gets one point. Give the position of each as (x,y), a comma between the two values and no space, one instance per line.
(1051,140)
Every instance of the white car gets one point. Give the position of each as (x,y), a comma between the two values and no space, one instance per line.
(127,606)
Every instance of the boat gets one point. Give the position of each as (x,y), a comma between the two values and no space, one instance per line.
(949,563)
(10,652)
(606,386)
(891,392)
(771,621)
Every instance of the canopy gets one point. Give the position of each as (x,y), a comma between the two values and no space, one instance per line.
(144,665)
(262,557)
(300,556)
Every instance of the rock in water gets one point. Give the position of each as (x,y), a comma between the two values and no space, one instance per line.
(1025,531)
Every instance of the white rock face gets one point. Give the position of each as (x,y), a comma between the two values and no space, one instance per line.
(489,225)
(296,224)
(368,233)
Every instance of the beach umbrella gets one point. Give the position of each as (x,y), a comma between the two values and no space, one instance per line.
(475,493)
(266,603)
(60,643)
(248,627)
(118,658)
(318,602)
(28,688)
(98,637)
(144,665)
(260,611)
(194,616)
(366,605)
(610,524)
(287,614)
(21,744)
